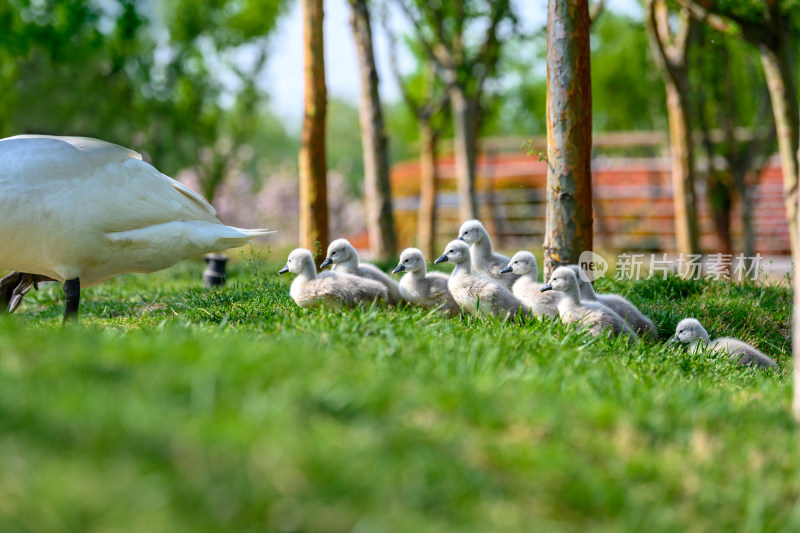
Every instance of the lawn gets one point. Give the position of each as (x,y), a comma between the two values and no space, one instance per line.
(170,408)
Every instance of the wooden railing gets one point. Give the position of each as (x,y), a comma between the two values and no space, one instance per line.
(632,204)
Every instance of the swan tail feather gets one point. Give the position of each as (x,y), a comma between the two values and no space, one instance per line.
(233,237)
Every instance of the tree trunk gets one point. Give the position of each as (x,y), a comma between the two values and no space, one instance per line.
(464,148)
(568,229)
(428,176)
(669,52)
(718,181)
(380,218)
(783,94)
(720,203)
(796,336)
(312,164)
(682,163)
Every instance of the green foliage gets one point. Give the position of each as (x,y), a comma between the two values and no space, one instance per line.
(727,80)
(165,84)
(345,153)
(521,107)
(401,124)
(627,93)
(171,408)
(461,28)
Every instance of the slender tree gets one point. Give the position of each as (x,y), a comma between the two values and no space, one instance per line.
(568,229)
(380,219)
(729,92)
(313,165)
(796,339)
(426,105)
(442,29)
(796,342)
(670,52)
(771,26)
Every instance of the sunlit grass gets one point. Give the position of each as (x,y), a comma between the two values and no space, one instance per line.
(172,408)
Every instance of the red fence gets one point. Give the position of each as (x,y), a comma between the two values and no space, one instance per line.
(632,204)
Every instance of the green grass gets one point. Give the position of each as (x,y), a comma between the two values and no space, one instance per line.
(171,408)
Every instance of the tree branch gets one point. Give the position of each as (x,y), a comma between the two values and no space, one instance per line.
(596,10)
(758,32)
(489,52)
(444,62)
(681,39)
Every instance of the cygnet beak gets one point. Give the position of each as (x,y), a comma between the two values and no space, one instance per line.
(460,238)
(398,268)
(548,287)
(442,259)
(284,270)
(325,263)
(506,269)
(674,339)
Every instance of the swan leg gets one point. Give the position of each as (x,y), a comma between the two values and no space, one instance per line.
(72,290)
(7,287)
(16,285)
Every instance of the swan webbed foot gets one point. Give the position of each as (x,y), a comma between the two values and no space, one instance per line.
(16,285)
(72,290)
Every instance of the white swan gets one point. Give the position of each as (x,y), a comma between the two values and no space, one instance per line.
(594,316)
(690,331)
(423,288)
(344,258)
(485,262)
(527,288)
(477,294)
(80,211)
(639,323)
(328,289)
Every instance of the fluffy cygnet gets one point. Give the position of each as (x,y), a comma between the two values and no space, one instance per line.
(527,288)
(344,258)
(485,262)
(596,317)
(477,294)
(639,323)
(417,286)
(691,332)
(329,289)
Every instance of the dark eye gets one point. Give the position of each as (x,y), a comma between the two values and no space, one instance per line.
(450,252)
(406,261)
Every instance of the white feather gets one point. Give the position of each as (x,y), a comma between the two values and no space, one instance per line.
(76,207)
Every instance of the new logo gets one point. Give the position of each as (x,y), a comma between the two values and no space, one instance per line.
(592,265)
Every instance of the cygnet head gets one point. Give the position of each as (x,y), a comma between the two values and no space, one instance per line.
(522,263)
(411,260)
(471,231)
(339,251)
(299,260)
(584,284)
(563,279)
(456,252)
(689,330)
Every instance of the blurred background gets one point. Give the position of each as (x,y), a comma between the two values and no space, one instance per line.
(211,92)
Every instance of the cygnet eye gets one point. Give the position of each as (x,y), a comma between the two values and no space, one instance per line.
(406,261)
